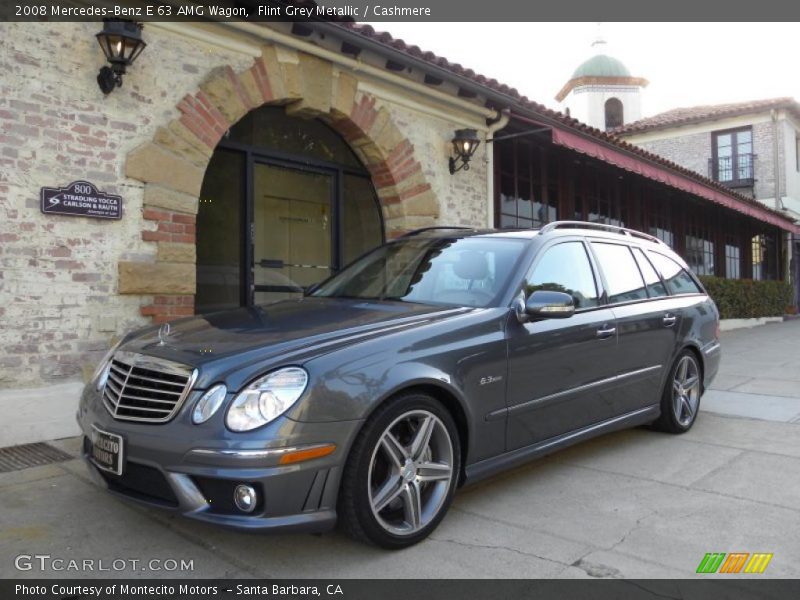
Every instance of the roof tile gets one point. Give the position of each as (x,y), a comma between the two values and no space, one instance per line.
(607,137)
(694,114)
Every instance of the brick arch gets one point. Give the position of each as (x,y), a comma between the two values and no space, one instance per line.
(173,164)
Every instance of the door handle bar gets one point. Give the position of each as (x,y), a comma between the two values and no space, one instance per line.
(606,333)
(669,320)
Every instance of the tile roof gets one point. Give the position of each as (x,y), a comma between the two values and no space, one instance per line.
(532,109)
(696,114)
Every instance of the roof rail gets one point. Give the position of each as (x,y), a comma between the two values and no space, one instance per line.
(600,227)
(424,229)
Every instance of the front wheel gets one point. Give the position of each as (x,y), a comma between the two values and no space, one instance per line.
(680,401)
(401,473)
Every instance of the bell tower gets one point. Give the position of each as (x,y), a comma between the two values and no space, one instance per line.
(602,92)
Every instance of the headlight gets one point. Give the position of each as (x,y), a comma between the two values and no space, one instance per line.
(100,375)
(266,399)
(208,404)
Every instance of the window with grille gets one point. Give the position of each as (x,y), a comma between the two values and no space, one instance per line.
(699,253)
(660,224)
(732,160)
(764,257)
(528,188)
(733,259)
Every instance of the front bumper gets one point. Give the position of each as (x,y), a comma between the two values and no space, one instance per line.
(193,469)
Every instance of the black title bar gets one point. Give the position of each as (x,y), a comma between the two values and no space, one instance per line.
(401,10)
(730,588)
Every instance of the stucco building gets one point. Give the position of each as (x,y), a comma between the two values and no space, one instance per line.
(253,160)
(750,147)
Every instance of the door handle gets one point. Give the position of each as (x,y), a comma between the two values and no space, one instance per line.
(669,320)
(606,333)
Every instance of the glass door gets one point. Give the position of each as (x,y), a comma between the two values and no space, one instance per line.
(291,229)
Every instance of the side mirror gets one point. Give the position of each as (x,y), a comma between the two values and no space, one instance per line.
(544,304)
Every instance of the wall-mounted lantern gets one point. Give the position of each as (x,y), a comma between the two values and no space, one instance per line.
(465,143)
(122,44)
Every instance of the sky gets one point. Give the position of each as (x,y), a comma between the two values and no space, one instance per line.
(687,64)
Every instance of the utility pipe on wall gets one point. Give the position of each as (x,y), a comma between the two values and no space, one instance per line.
(499,123)
(776,167)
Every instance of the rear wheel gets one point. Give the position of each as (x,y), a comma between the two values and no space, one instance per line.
(680,401)
(401,473)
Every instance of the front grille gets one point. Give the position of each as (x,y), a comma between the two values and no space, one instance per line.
(145,388)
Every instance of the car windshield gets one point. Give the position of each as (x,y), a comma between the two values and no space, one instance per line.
(469,271)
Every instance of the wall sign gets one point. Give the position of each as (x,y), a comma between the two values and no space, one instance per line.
(81,199)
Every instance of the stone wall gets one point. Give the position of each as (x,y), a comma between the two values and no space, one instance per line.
(69,285)
(693,150)
(462,198)
(58,275)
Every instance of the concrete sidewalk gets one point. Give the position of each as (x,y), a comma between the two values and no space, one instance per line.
(759,376)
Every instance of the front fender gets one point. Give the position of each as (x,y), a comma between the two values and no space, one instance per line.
(466,363)
(339,396)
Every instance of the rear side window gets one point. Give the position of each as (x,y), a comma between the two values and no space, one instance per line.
(675,276)
(565,268)
(654,286)
(624,281)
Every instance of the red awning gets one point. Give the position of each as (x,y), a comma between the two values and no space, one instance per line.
(666,176)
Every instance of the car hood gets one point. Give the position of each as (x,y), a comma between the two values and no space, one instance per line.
(294,330)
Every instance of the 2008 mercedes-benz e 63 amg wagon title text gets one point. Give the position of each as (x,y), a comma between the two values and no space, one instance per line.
(435,360)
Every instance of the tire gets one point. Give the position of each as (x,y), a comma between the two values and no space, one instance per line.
(680,400)
(401,473)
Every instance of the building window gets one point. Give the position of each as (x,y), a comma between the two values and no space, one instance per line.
(526,199)
(614,113)
(732,160)
(661,224)
(733,259)
(765,257)
(602,203)
(699,248)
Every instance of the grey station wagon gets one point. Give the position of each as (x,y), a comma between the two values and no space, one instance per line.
(435,360)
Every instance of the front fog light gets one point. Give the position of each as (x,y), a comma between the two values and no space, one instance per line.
(245,498)
(208,404)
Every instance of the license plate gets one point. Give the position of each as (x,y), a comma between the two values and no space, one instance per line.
(107,451)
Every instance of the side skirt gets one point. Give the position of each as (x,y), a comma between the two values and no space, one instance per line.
(491,466)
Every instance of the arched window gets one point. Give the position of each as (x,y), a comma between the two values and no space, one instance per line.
(614,114)
(284,204)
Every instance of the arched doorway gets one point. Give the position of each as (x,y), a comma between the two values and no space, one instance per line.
(284,203)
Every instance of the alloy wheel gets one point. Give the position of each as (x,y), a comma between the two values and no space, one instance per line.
(686,391)
(410,472)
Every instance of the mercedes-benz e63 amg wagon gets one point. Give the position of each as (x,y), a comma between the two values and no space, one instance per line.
(435,360)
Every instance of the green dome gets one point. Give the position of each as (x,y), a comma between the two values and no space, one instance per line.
(601,65)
